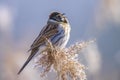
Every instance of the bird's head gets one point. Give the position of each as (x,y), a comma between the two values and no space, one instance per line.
(58,17)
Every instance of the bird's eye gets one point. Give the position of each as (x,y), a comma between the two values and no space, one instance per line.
(58,16)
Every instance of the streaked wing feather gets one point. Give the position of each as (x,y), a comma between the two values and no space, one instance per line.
(47,32)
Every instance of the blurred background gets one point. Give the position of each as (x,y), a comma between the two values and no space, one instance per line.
(22,20)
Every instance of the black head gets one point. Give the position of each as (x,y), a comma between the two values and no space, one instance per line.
(58,17)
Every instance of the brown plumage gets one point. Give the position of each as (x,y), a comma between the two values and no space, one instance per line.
(57,31)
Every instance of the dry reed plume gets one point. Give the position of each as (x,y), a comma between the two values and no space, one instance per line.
(64,62)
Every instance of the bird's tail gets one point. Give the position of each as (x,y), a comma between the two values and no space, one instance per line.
(34,51)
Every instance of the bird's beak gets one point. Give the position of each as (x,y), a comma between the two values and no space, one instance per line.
(63,13)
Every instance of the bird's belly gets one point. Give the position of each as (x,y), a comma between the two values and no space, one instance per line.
(61,38)
(60,41)
(64,42)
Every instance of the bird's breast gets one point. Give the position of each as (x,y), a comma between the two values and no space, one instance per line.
(67,29)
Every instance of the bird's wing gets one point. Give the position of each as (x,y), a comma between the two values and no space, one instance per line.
(46,32)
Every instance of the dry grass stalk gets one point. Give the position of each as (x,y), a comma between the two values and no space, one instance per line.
(63,61)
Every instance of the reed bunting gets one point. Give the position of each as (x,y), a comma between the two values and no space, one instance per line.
(57,31)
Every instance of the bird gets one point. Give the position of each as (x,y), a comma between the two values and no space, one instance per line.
(57,31)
